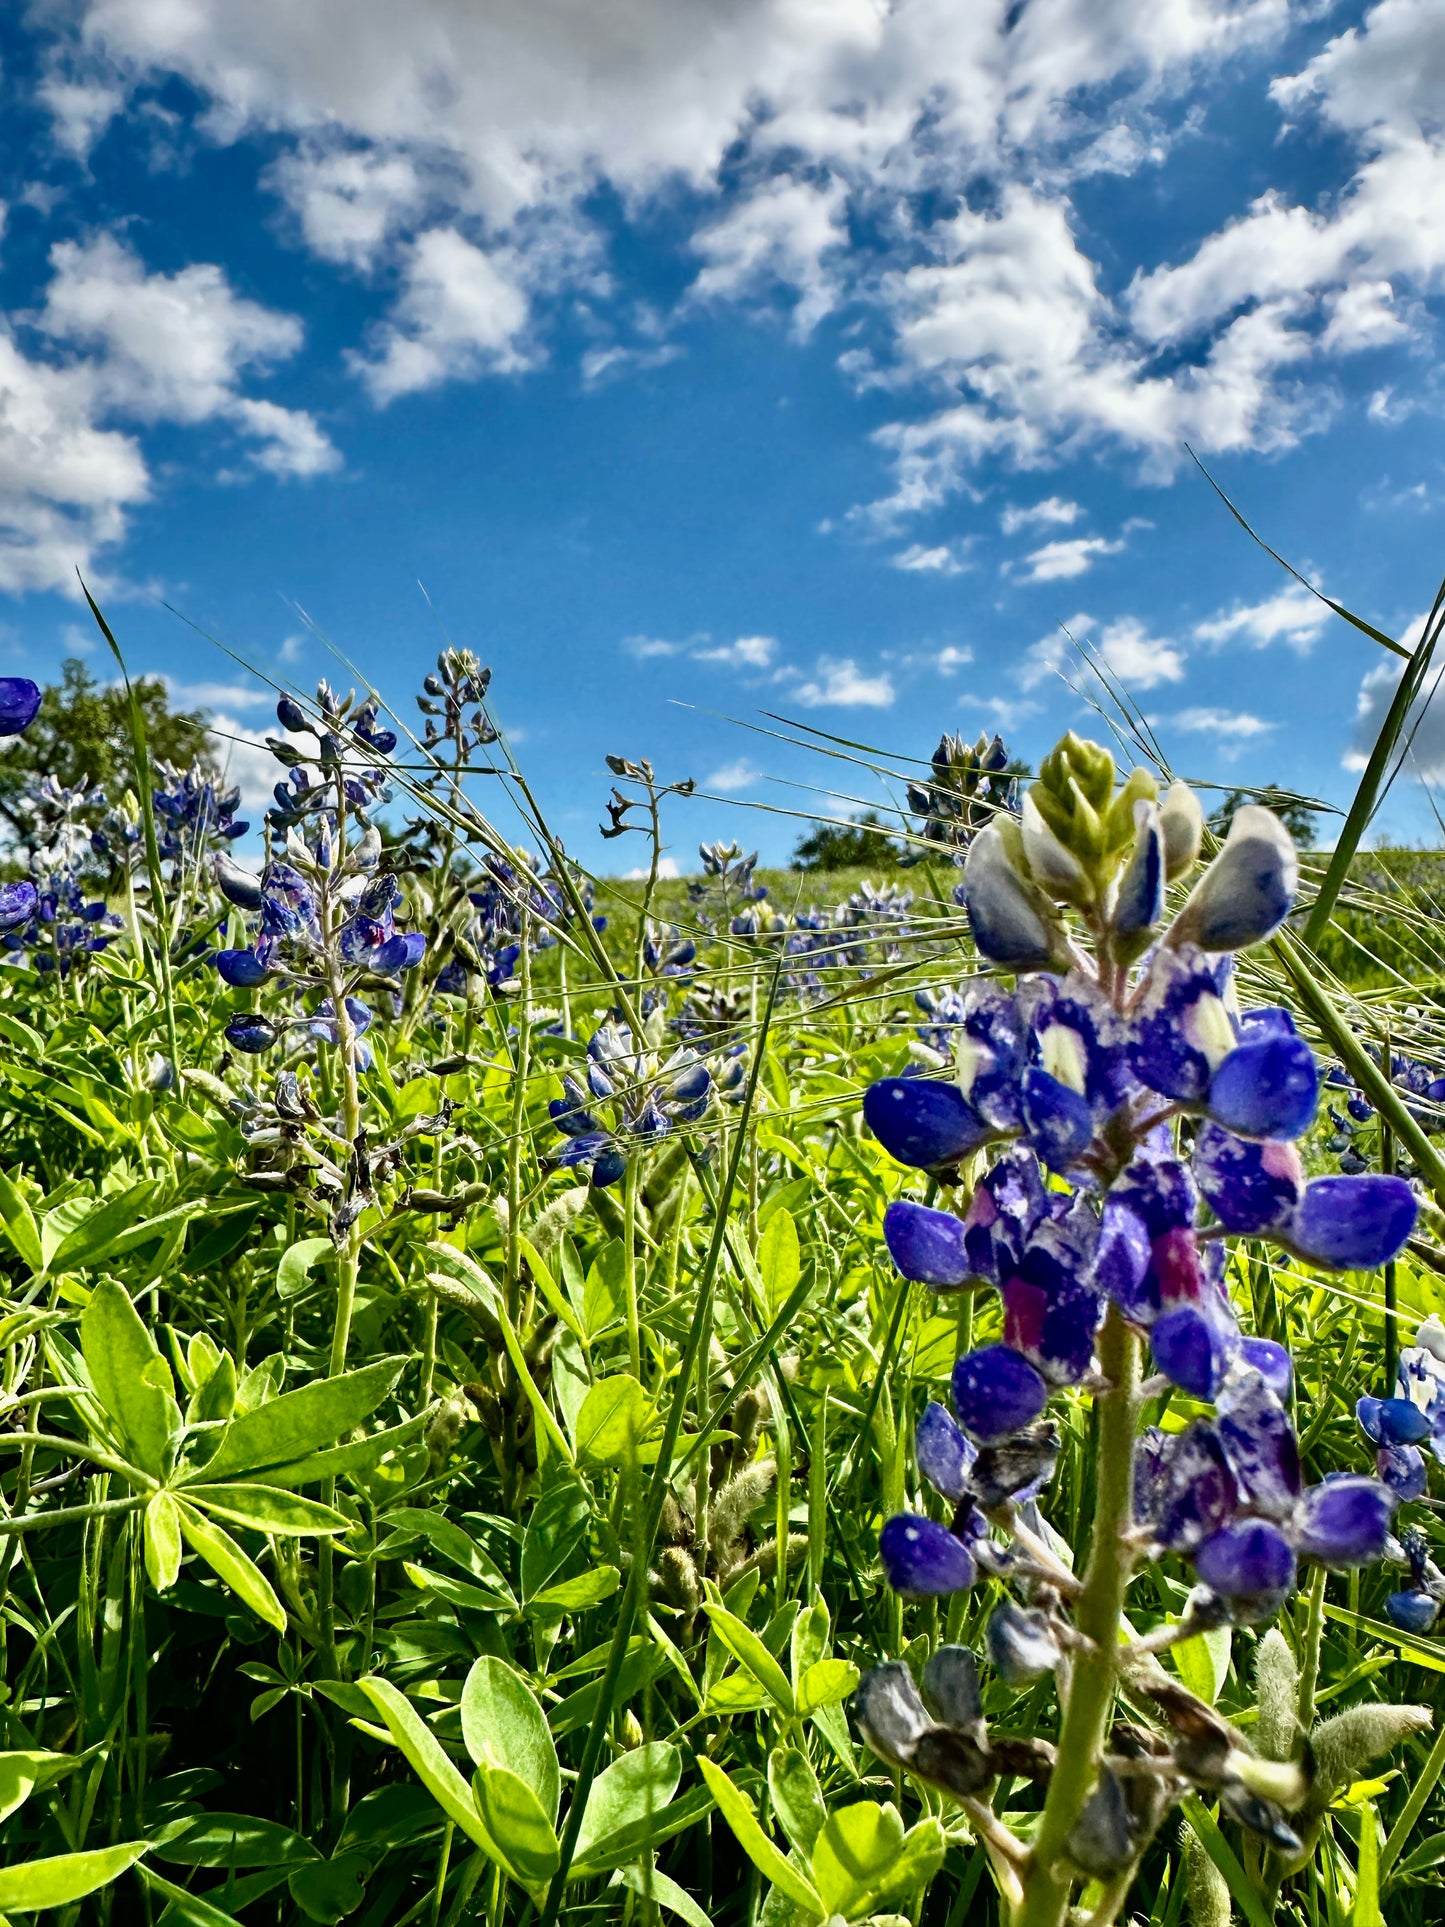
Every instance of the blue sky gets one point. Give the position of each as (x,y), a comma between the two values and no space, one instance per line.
(741,354)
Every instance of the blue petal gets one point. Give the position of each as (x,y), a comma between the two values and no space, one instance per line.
(1353,1224)
(1412,1612)
(944,1454)
(1268,1087)
(926,1245)
(1249,1562)
(242,968)
(1192,1348)
(922,1122)
(1251,1187)
(1058,1122)
(1392,1421)
(996,1392)
(921,1556)
(1403,1469)
(1271,1361)
(19,704)
(1184,1488)
(1345,1521)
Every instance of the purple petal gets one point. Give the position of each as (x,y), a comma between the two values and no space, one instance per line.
(1193,1348)
(1353,1224)
(1267,1088)
(1403,1469)
(1392,1421)
(242,968)
(1250,1187)
(996,1392)
(19,704)
(921,1556)
(1058,1122)
(1345,1521)
(1412,1612)
(1249,1563)
(922,1122)
(1054,1330)
(945,1456)
(17,904)
(1261,1447)
(1271,1361)
(1123,1263)
(927,1245)
(1184,1488)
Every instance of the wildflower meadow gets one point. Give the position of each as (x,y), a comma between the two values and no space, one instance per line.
(532,1398)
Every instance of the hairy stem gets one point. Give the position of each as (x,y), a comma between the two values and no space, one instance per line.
(1097,1615)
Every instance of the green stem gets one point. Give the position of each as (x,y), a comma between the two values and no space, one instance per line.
(1098,1614)
(629,1267)
(1310,1670)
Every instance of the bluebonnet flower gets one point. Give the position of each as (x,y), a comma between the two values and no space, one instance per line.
(634,1097)
(54,913)
(1086,1072)
(1416,1607)
(193,813)
(19,704)
(970,785)
(1415,1416)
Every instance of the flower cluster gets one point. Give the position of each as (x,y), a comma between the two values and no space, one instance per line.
(1398,1427)
(338,773)
(969,787)
(1146,1120)
(55,912)
(635,1096)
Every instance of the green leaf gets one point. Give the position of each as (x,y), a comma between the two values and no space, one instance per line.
(428,1760)
(779,1260)
(458,1592)
(355,1460)
(557,1527)
(745,1646)
(1246,1895)
(1203,1662)
(453,1543)
(55,1882)
(20,1225)
(163,1541)
(603,1295)
(826,1683)
(131,1379)
(647,1882)
(1429,1853)
(524,1836)
(615,1418)
(235,1840)
(920,1858)
(101,1226)
(810,1637)
(736,1692)
(21,1773)
(852,1856)
(797,1797)
(215,1398)
(737,1809)
(631,1793)
(230,1564)
(1366,1910)
(289,1429)
(502,1725)
(265,1508)
(387,1817)
(295,1267)
(576,1595)
(331,1889)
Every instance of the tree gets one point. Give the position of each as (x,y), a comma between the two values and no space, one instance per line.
(1296,815)
(861,844)
(83,730)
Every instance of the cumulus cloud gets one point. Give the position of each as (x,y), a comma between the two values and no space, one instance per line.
(1293,617)
(838,683)
(462,312)
(1139,660)
(780,234)
(1061,561)
(1053,512)
(1231,731)
(731,778)
(1424,726)
(918,559)
(748,652)
(950,658)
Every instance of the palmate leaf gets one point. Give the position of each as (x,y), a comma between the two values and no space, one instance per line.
(131,1379)
(293,1428)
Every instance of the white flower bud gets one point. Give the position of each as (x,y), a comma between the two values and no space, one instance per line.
(1248,890)
(1182,821)
(1011,922)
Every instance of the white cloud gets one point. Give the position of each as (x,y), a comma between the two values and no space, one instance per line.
(462,312)
(837,682)
(748,652)
(1424,726)
(780,233)
(667,867)
(1293,617)
(1061,561)
(292,649)
(1125,648)
(348,201)
(925,561)
(646,648)
(291,443)
(950,658)
(1232,730)
(218,695)
(733,777)
(1053,512)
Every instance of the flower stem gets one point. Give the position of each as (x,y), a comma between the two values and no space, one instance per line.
(1097,1614)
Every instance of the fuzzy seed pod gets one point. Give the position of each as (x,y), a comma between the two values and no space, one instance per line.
(547,1230)
(1206,1894)
(1350,1742)
(764,1561)
(677,1579)
(1276,1687)
(737,1501)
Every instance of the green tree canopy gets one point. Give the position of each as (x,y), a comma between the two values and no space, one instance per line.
(83,730)
(863,843)
(1296,815)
